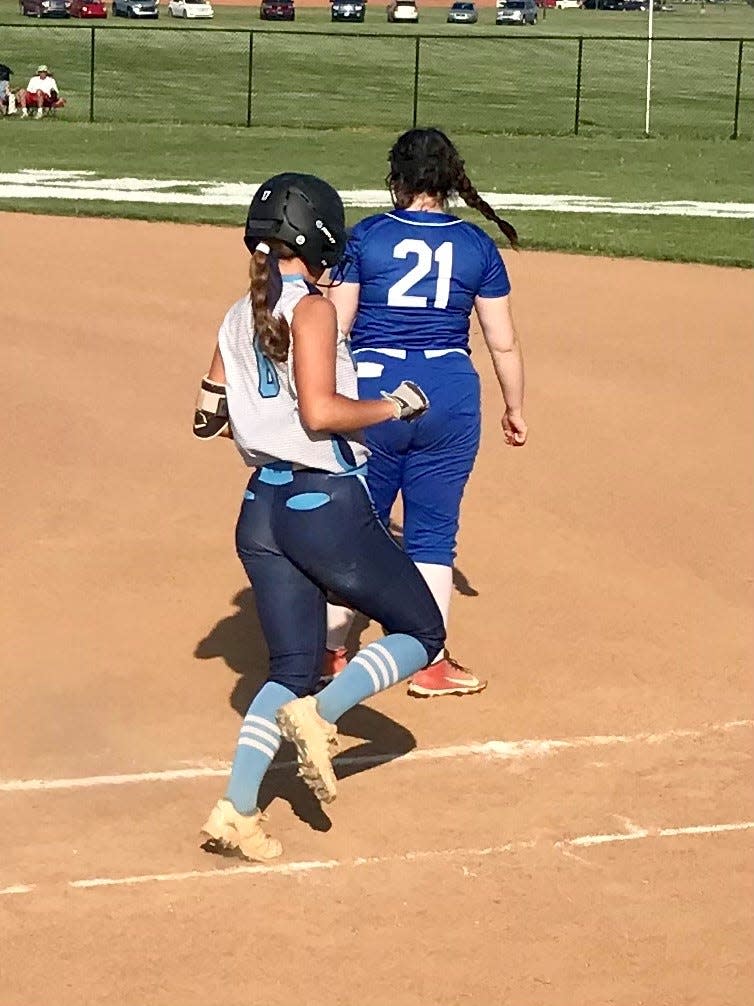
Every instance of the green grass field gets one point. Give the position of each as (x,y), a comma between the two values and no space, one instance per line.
(171,106)
(476,78)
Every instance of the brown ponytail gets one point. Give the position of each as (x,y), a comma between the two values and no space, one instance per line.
(271,333)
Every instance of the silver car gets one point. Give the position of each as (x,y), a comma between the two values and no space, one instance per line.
(462,12)
(516,12)
(135,8)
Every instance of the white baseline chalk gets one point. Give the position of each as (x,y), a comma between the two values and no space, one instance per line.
(492,750)
(289,869)
(639,833)
(17,889)
(317,866)
(506,750)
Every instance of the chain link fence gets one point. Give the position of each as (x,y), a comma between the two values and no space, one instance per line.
(529,85)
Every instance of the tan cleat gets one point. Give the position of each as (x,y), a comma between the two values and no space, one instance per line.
(229,833)
(316,743)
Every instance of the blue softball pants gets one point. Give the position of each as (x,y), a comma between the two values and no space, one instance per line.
(302,535)
(428,461)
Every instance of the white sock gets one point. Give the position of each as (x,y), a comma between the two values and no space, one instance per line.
(339,622)
(439,579)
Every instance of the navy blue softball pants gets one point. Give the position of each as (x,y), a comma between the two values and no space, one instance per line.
(304,535)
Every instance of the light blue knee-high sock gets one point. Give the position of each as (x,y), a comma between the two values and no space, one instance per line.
(258,744)
(378,666)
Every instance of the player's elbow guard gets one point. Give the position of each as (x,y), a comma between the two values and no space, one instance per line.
(211,415)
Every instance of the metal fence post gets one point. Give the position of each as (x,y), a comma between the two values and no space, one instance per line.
(738,88)
(249,78)
(579,63)
(416,81)
(91,75)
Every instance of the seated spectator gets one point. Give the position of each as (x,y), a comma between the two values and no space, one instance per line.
(7,97)
(40,94)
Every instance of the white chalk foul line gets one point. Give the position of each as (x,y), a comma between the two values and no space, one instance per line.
(86,185)
(304,867)
(492,750)
(17,889)
(635,834)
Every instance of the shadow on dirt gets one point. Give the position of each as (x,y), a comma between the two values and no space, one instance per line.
(238,640)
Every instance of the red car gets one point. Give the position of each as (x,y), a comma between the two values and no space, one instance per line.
(87,8)
(277,10)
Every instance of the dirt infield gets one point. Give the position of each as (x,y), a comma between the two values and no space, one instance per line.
(597,852)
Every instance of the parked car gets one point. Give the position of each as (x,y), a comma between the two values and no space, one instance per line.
(44,8)
(516,12)
(135,8)
(404,11)
(462,13)
(87,8)
(348,10)
(617,5)
(190,8)
(567,4)
(277,10)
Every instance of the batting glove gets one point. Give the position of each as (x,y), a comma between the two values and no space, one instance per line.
(409,400)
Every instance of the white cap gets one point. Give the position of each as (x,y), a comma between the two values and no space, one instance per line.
(42,69)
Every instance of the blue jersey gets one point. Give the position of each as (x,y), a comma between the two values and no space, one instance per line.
(419,273)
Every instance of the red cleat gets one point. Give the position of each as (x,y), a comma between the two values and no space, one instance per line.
(447,677)
(333,662)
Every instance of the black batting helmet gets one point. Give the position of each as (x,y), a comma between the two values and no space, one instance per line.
(303,212)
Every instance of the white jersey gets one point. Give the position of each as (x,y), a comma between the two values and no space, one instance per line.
(262,398)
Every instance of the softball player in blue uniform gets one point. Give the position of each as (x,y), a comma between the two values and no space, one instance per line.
(410,280)
(283,385)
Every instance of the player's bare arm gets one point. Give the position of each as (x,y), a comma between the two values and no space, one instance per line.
(315,337)
(345,297)
(499,333)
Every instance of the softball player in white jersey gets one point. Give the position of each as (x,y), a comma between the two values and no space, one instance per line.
(283,385)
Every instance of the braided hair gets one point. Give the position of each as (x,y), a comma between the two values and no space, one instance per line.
(425,161)
(271,333)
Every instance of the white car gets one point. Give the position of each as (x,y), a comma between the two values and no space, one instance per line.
(567,4)
(190,8)
(403,10)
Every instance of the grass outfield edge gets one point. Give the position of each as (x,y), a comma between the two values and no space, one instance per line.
(150,214)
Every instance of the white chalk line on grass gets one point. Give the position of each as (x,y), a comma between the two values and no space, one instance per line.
(86,185)
(497,750)
(322,865)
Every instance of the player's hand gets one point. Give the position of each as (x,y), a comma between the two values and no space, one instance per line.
(515,429)
(409,400)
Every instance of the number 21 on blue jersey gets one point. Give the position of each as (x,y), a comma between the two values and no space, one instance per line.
(399,296)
